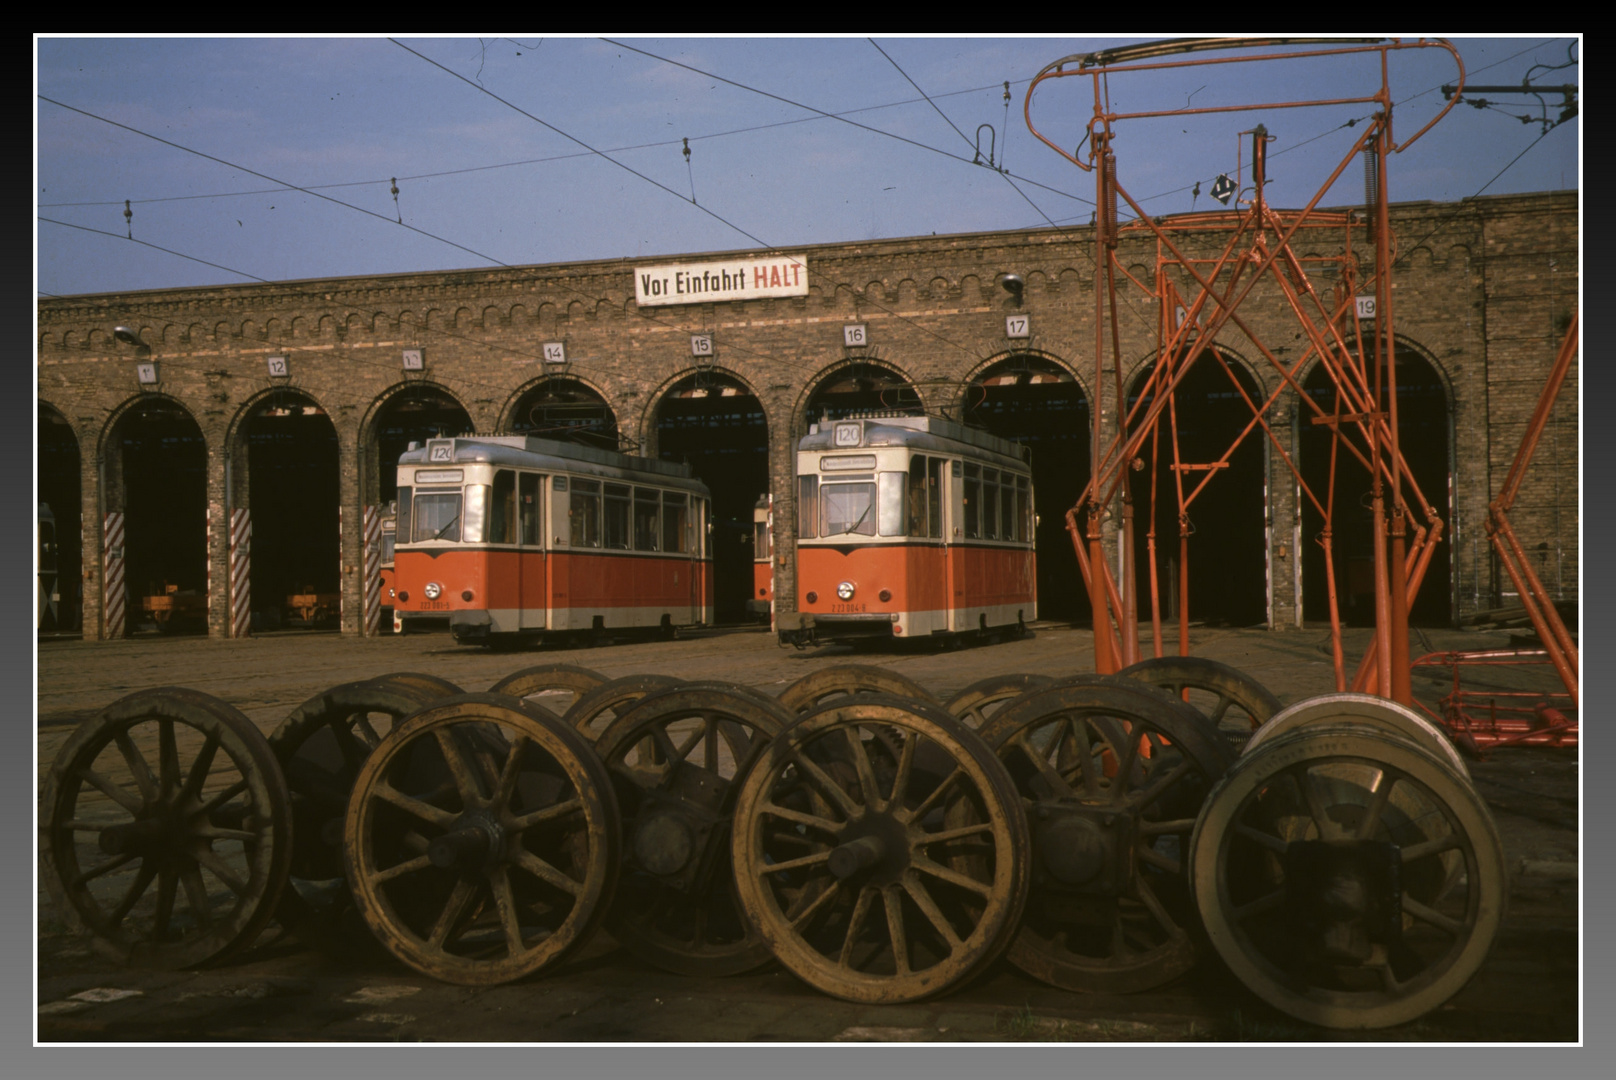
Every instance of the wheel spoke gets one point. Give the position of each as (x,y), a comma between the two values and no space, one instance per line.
(499,881)
(105,868)
(1430,915)
(454,909)
(1085,758)
(549,813)
(116,792)
(710,744)
(547,873)
(797,918)
(953,834)
(892,900)
(1223,706)
(1056,783)
(511,770)
(793,864)
(928,907)
(953,877)
(1377,805)
(423,810)
(1127,761)
(351,755)
(408,866)
(136,762)
(861,908)
(827,786)
(209,832)
(1147,897)
(200,767)
(196,895)
(365,733)
(1426,848)
(824,824)
(222,871)
(165,904)
(223,797)
(937,793)
(168,757)
(1262,839)
(866,772)
(1260,906)
(900,776)
(1157,859)
(132,895)
(463,771)
(1159,786)
(1317,806)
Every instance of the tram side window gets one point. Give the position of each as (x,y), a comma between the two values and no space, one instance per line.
(585,513)
(645,519)
(893,497)
(990,504)
(502,508)
(675,521)
(1023,509)
(437,516)
(934,498)
(807,507)
(532,521)
(1007,509)
(973,501)
(403,514)
(476,513)
(617,515)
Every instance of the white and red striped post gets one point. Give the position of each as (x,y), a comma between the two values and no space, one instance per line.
(112,595)
(240,572)
(373,571)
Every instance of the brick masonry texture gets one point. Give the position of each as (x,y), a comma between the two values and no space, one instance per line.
(1483,292)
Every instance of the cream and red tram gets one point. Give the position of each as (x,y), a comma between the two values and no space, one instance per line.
(511,536)
(910,527)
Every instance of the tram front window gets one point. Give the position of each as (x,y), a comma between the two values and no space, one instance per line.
(848,508)
(437,517)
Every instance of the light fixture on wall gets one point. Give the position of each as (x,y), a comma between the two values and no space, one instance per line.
(1013,284)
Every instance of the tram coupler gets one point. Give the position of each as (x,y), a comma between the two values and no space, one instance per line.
(1344,897)
(470,627)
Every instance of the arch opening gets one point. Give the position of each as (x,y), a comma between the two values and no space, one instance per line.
(159,481)
(60,555)
(1227,521)
(568,410)
(1425,436)
(860,387)
(1037,402)
(717,425)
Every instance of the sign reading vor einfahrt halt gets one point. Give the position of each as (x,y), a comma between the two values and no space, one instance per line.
(717,281)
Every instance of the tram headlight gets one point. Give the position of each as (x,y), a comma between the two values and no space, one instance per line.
(433,590)
(844,591)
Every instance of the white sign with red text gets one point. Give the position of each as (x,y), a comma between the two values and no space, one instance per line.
(717,281)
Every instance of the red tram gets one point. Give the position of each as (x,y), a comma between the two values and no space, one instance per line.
(910,526)
(511,536)
(761,604)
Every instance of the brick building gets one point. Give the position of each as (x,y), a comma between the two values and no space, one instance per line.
(282,404)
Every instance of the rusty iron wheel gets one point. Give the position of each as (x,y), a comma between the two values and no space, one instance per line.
(419,680)
(166,829)
(1112,776)
(555,686)
(677,760)
(1233,701)
(977,703)
(1326,898)
(321,746)
(595,710)
(482,840)
(840,680)
(877,875)
(1390,716)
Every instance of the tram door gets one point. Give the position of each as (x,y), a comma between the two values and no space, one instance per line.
(953,549)
(532,565)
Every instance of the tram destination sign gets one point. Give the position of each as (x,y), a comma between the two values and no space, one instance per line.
(715,281)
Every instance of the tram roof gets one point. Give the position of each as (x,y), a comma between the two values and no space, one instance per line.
(915,432)
(530,451)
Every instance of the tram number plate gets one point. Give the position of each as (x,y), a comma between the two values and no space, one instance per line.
(846,609)
(434,605)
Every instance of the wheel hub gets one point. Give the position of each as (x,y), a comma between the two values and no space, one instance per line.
(1085,849)
(874,851)
(663,842)
(475,843)
(1344,897)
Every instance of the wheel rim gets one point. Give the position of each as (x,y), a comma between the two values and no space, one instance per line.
(1395,719)
(482,840)
(594,712)
(1233,701)
(555,686)
(419,680)
(1376,954)
(975,705)
(841,680)
(321,747)
(677,760)
(173,864)
(877,879)
(1111,778)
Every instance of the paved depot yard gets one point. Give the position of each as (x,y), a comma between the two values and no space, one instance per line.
(282,991)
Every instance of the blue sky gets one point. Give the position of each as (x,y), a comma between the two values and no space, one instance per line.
(497,145)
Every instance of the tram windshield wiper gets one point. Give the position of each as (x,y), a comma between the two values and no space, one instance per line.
(854,527)
(447,526)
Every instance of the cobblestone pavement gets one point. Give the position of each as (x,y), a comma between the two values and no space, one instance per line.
(280,990)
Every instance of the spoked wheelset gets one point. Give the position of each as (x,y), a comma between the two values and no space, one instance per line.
(482,840)
(844,680)
(880,851)
(166,829)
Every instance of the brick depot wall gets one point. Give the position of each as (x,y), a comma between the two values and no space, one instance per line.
(1483,292)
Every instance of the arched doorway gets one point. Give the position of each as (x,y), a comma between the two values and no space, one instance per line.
(1038,403)
(1425,434)
(1228,558)
(62,565)
(566,409)
(289,446)
(860,387)
(712,421)
(415,414)
(158,480)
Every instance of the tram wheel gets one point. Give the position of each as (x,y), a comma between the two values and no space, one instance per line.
(419,680)
(482,840)
(975,704)
(1327,898)
(828,683)
(1392,717)
(677,760)
(1233,701)
(870,878)
(176,789)
(557,686)
(320,747)
(1111,776)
